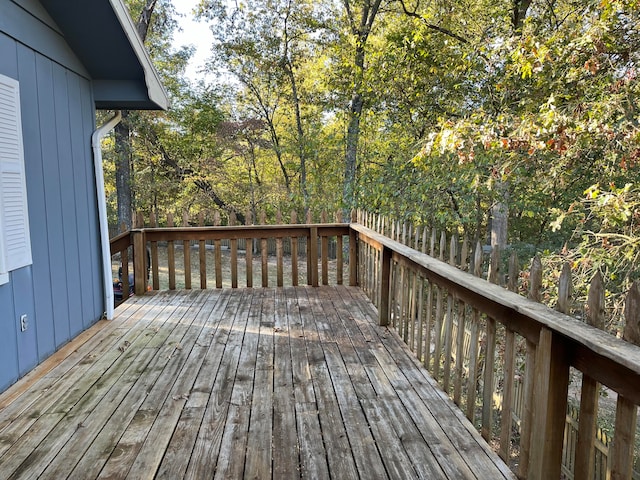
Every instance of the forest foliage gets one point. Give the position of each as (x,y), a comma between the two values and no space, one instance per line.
(458,114)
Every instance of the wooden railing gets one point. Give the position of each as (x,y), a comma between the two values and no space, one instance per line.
(476,338)
(442,312)
(235,264)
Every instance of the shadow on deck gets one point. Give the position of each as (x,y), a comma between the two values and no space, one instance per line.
(293,382)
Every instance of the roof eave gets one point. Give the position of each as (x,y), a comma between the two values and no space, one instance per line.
(156,92)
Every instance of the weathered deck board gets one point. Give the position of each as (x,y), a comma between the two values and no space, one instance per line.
(253,383)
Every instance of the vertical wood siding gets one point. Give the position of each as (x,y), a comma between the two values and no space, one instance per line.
(61,291)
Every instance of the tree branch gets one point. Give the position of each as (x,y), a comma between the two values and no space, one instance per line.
(181,173)
(431,26)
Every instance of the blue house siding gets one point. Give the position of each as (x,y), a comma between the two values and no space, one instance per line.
(61,293)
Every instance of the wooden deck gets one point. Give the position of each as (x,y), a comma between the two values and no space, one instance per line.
(252,383)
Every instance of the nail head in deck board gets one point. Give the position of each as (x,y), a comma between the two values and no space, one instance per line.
(321,416)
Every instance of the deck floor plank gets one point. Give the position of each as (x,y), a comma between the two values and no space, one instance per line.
(89,445)
(258,383)
(76,395)
(204,458)
(286,457)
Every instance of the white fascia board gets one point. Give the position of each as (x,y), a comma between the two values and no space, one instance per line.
(156,91)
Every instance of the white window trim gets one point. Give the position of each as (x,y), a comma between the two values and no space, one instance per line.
(15,238)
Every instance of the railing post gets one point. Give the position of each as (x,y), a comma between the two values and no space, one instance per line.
(385,277)
(621,453)
(139,262)
(551,381)
(313,255)
(353,253)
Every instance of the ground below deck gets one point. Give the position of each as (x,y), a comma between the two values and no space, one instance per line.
(297,382)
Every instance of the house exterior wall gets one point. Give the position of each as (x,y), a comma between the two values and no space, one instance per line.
(61,292)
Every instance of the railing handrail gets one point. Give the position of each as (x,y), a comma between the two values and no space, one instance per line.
(231,232)
(604,357)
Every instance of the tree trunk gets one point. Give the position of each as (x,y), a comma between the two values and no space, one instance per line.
(500,217)
(123,172)
(353,132)
(361,24)
(124,164)
(301,140)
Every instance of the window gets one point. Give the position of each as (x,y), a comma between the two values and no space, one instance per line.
(15,243)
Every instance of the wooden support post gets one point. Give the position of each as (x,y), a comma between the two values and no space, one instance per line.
(279,254)
(550,386)
(171,256)
(507,394)
(385,277)
(585,448)
(324,252)
(248,249)
(353,258)
(155,273)
(139,262)
(621,453)
(527,409)
(313,256)
(457,388)
(186,246)
(264,253)
(449,321)
(234,252)
(489,380)
(124,267)
(202,252)
(218,252)
(294,252)
(339,255)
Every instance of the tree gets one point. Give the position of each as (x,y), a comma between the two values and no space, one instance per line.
(123,149)
(360,17)
(265,45)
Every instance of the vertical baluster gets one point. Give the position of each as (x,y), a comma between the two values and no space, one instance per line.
(264,252)
(420,301)
(449,321)
(313,254)
(474,342)
(353,256)
(400,296)
(621,452)
(202,252)
(124,267)
(526,422)
(155,275)
(339,253)
(429,318)
(294,252)
(550,386)
(439,315)
(585,450)
(218,252)
(186,246)
(171,256)
(139,262)
(412,308)
(279,259)
(308,221)
(248,248)
(509,370)
(490,355)
(234,252)
(324,240)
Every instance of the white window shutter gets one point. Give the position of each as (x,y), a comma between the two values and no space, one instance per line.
(15,240)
